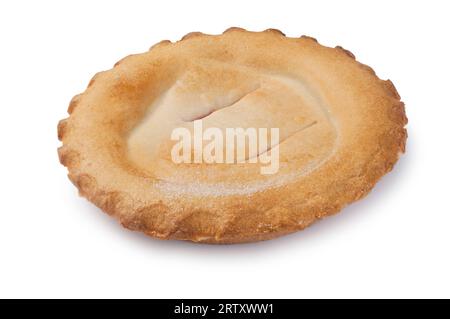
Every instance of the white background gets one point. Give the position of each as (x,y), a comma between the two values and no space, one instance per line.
(394,243)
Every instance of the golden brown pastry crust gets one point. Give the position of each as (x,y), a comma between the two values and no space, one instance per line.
(367,111)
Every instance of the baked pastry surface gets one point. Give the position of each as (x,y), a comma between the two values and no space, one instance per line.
(341,130)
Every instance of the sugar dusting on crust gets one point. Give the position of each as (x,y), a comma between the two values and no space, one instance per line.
(222,189)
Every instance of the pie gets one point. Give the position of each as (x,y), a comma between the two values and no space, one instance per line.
(340,129)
